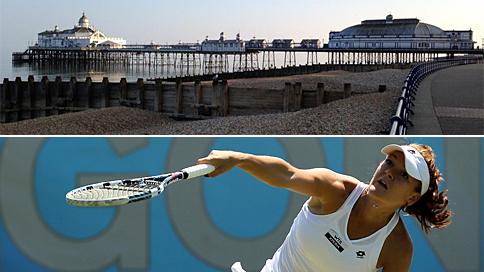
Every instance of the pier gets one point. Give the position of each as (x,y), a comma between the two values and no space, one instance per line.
(192,60)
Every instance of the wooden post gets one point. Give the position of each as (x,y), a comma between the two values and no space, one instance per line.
(179,97)
(382,88)
(347,90)
(123,90)
(17,100)
(198,92)
(105,95)
(297,96)
(287,97)
(89,94)
(197,97)
(55,93)
(224,98)
(158,96)
(141,93)
(3,101)
(71,94)
(43,94)
(215,98)
(320,94)
(29,99)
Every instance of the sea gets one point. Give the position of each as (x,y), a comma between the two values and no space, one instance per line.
(114,72)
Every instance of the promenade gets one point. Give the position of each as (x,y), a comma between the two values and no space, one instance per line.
(450,102)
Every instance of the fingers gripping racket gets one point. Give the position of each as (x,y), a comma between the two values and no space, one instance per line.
(121,192)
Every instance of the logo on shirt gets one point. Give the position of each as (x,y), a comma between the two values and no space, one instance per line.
(360,254)
(335,240)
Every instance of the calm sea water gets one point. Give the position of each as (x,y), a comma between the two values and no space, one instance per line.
(116,72)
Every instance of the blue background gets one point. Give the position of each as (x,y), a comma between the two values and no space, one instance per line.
(96,155)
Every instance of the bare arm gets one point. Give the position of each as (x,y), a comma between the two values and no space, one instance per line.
(397,251)
(318,182)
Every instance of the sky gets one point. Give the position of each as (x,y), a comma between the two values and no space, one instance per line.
(162,21)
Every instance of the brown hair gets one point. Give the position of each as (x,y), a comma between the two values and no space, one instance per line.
(431,209)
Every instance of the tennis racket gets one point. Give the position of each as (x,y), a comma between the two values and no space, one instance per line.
(122,192)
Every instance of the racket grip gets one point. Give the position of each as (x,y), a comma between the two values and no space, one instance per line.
(198,170)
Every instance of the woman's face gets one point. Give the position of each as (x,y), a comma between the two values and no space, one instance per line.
(391,183)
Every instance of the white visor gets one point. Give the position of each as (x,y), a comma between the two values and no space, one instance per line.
(414,163)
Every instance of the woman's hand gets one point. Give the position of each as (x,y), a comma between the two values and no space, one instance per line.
(223,161)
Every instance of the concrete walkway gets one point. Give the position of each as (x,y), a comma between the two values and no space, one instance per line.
(450,102)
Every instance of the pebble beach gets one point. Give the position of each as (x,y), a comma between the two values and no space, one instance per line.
(367,112)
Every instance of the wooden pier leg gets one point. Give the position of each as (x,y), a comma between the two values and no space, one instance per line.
(320,94)
(141,93)
(158,96)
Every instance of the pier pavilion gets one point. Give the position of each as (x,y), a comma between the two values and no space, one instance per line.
(392,33)
(82,35)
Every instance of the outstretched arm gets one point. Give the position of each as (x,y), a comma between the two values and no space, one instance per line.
(317,182)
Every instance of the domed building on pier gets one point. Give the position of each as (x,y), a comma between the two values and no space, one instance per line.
(82,35)
(392,33)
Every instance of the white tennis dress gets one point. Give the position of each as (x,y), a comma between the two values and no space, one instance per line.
(321,243)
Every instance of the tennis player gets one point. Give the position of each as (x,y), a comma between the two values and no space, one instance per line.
(347,225)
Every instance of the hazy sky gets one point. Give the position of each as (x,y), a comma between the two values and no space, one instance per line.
(162,21)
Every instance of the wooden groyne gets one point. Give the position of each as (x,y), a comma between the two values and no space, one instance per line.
(292,70)
(22,100)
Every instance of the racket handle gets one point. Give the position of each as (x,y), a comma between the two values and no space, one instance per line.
(197,170)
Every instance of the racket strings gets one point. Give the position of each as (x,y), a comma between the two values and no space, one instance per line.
(116,191)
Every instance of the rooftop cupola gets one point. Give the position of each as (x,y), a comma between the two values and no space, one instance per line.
(83,21)
(389,19)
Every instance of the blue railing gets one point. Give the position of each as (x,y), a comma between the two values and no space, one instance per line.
(400,121)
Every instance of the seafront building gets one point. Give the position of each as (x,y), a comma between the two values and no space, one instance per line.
(82,35)
(390,33)
(223,45)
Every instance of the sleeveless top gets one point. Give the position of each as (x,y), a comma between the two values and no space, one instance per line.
(321,243)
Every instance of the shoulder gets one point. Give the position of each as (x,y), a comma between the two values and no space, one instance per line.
(335,189)
(397,251)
